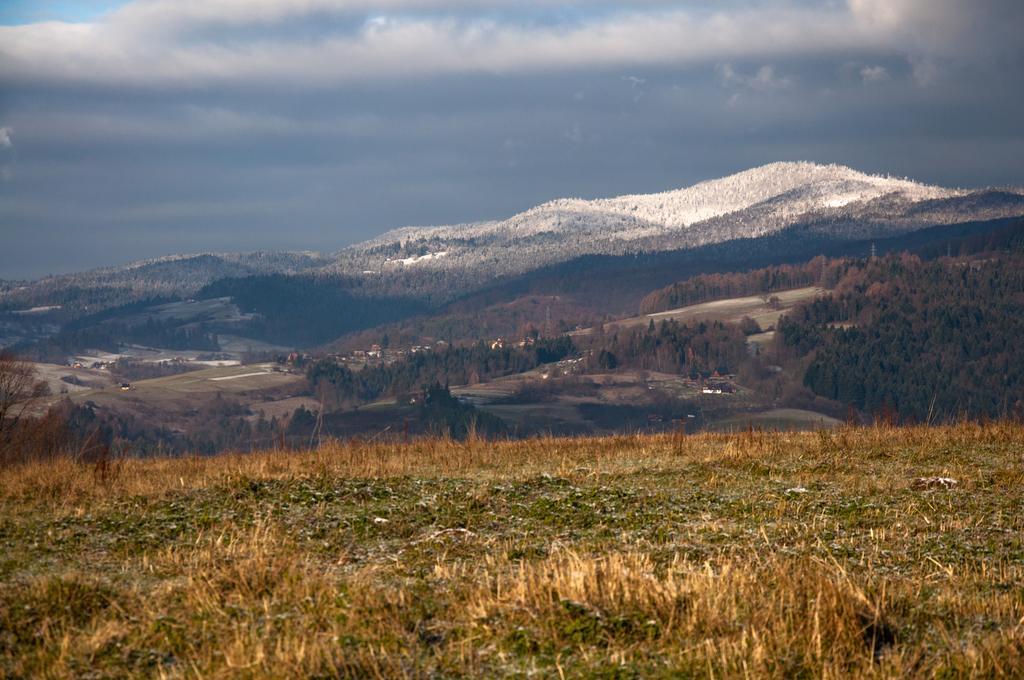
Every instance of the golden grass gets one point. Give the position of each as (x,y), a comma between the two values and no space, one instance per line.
(749,555)
(66,481)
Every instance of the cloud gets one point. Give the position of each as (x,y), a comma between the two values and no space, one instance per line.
(326,43)
(6,134)
(194,44)
(872,75)
(764,79)
(962,29)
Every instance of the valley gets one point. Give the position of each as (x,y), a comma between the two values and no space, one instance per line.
(567,397)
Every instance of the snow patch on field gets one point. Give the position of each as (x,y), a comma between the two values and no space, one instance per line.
(37,310)
(418,258)
(240,375)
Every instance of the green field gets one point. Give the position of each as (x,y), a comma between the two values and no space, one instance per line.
(747,555)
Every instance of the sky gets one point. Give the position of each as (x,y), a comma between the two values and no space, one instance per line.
(134,129)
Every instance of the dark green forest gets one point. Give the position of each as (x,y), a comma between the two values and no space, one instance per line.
(692,349)
(921,340)
(304,311)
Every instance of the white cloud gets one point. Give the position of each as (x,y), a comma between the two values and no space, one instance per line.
(189,43)
(205,43)
(873,75)
(5,137)
(961,29)
(765,79)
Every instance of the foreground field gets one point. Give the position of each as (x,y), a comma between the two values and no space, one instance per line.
(713,555)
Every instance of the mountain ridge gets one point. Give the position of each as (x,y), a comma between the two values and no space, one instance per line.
(828,199)
(831,199)
(695,203)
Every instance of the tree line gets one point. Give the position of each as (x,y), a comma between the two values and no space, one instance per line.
(694,349)
(341,387)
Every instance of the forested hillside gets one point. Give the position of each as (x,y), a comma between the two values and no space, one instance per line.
(922,340)
(672,347)
(307,310)
(130,323)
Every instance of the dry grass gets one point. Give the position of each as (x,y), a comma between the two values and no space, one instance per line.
(749,555)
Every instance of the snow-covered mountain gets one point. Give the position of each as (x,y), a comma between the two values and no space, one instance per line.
(802,188)
(832,200)
(440,262)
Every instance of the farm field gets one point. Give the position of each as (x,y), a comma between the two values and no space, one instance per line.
(830,554)
(227,379)
(731,310)
(171,400)
(602,403)
(67,379)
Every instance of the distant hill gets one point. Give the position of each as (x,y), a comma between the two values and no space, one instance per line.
(602,255)
(174,275)
(441,263)
(826,202)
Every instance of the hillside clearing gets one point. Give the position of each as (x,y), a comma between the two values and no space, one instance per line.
(731,310)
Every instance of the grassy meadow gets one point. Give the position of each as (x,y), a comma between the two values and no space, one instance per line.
(745,555)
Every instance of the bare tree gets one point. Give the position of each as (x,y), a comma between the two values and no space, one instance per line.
(19,389)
